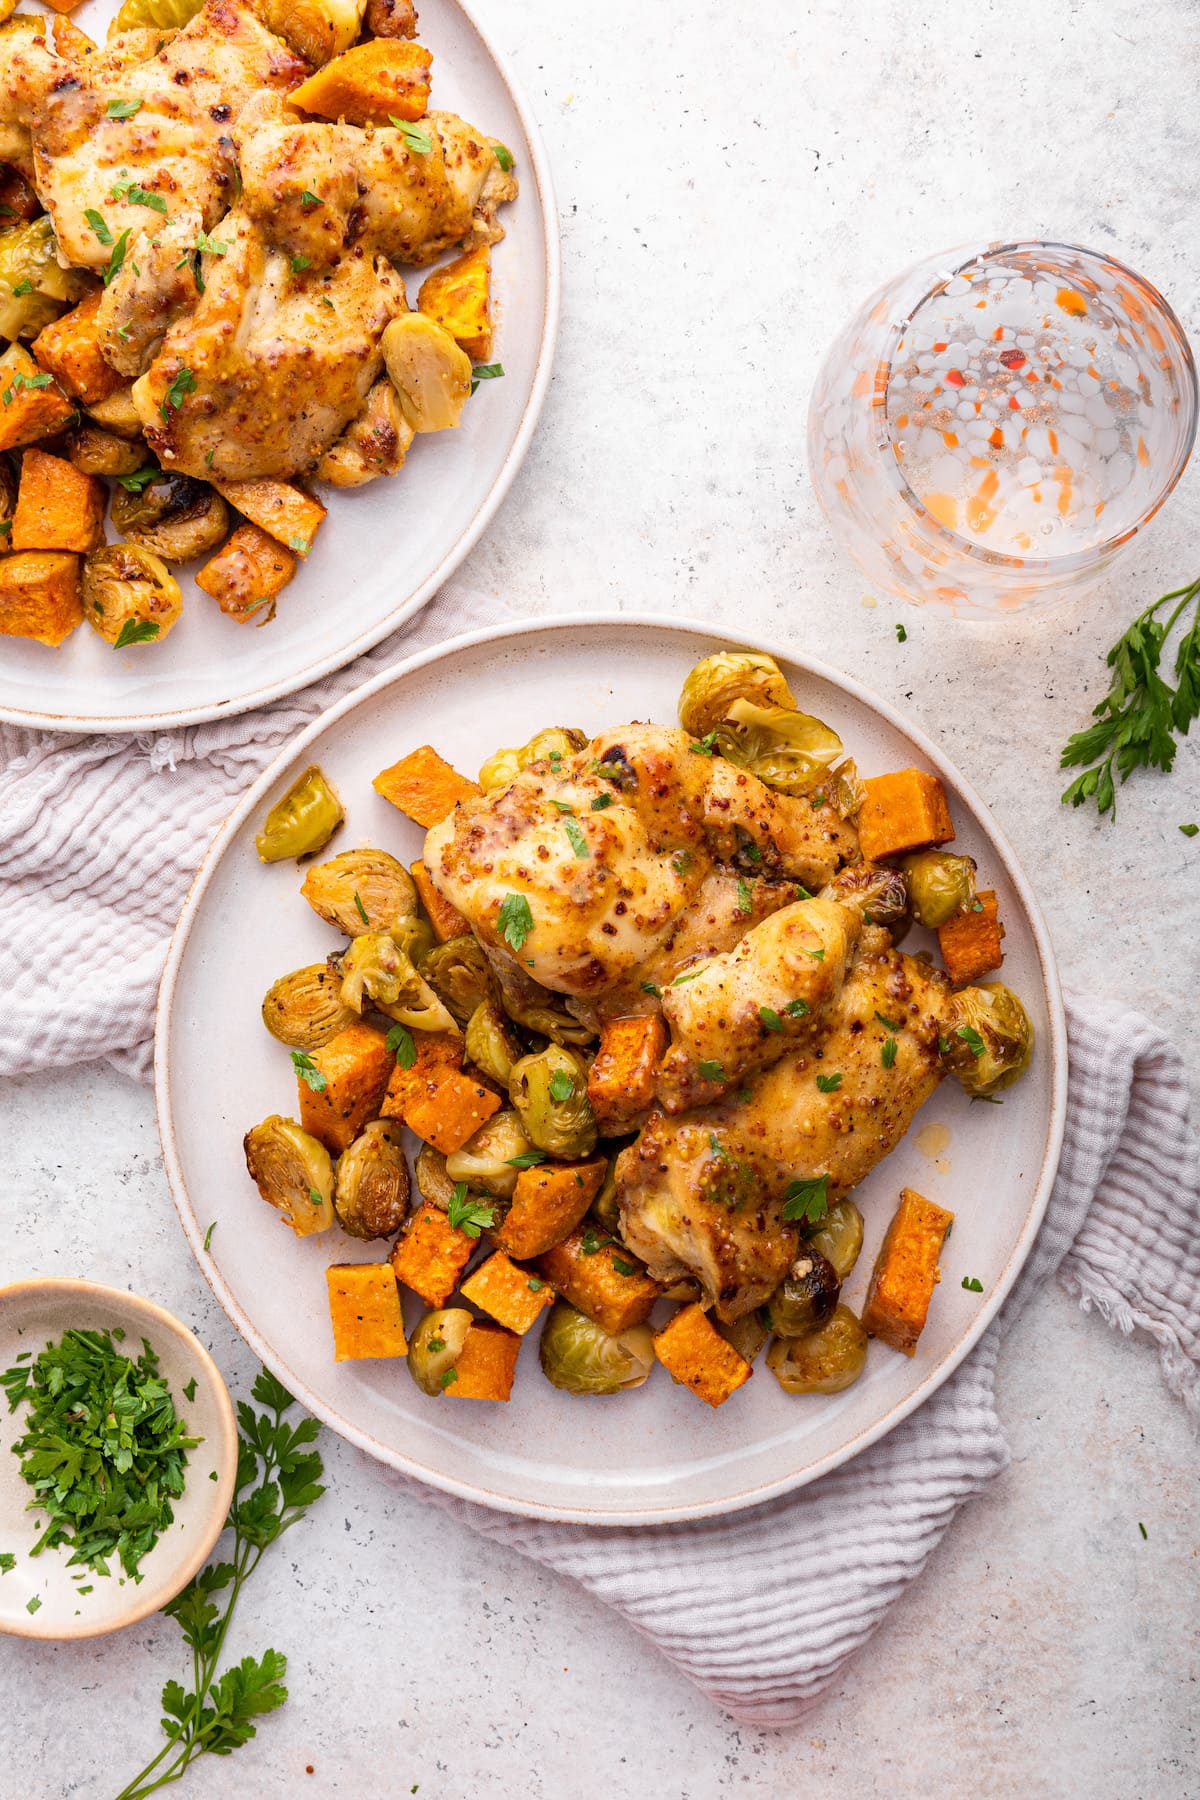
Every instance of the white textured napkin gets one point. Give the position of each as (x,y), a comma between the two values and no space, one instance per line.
(99,839)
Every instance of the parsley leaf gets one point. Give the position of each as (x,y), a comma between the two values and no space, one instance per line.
(307,1070)
(33,1605)
(562,1086)
(504,157)
(515,920)
(622,1267)
(829,1084)
(403,1048)
(128,189)
(745,896)
(183,384)
(574,831)
(298,264)
(601,802)
(770,1018)
(1189,831)
(901,635)
(23,287)
(361,909)
(888,1053)
(971,1039)
(308,198)
(8,1562)
(650,987)
(892,1024)
(972,1284)
(414,137)
(122,109)
(707,745)
(807,1200)
(711,1071)
(208,1236)
(117,259)
(137,631)
(817,955)
(133,484)
(468,1216)
(797,1009)
(528,1159)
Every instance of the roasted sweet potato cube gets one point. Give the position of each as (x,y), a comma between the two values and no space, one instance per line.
(600,1278)
(459,299)
(424,786)
(485,1365)
(384,79)
(58,506)
(247,574)
(40,595)
(906,1272)
(450,1111)
(547,1203)
(31,406)
(903,811)
(286,513)
(514,1296)
(446,920)
(693,1352)
(70,348)
(356,1065)
(438,1053)
(364,1308)
(431,1254)
(970,943)
(621,1081)
(64,6)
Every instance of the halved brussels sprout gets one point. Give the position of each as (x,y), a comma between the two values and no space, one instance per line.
(940,885)
(537,1009)
(824,1362)
(839,1236)
(806,1296)
(415,937)
(730,675)
(747,1334)
(34,287)
(506,765)
(304,1009)
(485,1160)
(302,822)
(361,890)
(371,1188)
(375,968)
(605,1207)
(428,370)
(433,1182)
(491,1046)
(988,1038)
(167,15)
(173,515)
(877,893)
(460,975)
(549,1090)
(293,1172)
(580,1357)
(788,750)
(97,452)
(435,1345)
(8,486)
(129,595)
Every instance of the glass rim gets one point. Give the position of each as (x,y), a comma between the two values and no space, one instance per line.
(1070,561)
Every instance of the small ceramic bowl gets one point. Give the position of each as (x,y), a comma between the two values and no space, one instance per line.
(31,1313)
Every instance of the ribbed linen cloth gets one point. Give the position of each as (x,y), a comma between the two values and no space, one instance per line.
(99,839)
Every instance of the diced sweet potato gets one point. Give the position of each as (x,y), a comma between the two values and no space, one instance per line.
(903,811)
(70,348)
(31,406)
(245,576)
(356,1065)
(438,1054)
(450,1111)
(970,942)
(600,1278)
(424,786)
(693,1352)
(63,6)
(58,506)
(384,79)
(284,512)
(459,299)
(364,1309)
(446,920)
(18,197)
(547,1203)
(40,595)
(485,1365)
(906,1272)
(514,1296)
(431,1254)
(621,1081)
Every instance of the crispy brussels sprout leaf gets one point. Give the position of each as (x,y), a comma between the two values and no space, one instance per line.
(375,968)
(302,822)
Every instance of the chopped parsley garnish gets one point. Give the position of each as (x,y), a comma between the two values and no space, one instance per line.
(770,1018)
(622,1267)
(888,1054)
(901,635)
(23,287)
(486,372)
(307,1070)
(563,806)
(829,1084)
(574,831)
(210,246)
(128,189)
(649,987)
(562,1085)
(986,1100)
(591,1242)
(892,1024)
(681,862)
(1142,1529)
(797,1009)
(116,260)
(528,1159)
(503,156)
(468,1216)
(688,975)
(122,109)
(32,1606)
(360,909)
(189,1390)
(140,478)
(183,384)
(534,1285)
(707,745)
(711,1071)
(308,198)
(21,380)
(208,1236)
(298,264)
(515,921)
(717,1147)
(971,1039)
(972,1284)
(448,1377)
(301,545)
(137,631)
(400,1043)
(807,1200)
(602,801)
(745,1095)
(817,955)
(943,1044)
(413,136)
(745,895)
(8,1562)
(1189,830)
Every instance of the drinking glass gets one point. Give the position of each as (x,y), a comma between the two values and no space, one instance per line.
(992,427)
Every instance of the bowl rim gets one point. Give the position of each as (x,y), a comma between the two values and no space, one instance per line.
(1056,1062)
(144,1599)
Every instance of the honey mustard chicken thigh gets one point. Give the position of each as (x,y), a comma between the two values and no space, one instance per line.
(609,848)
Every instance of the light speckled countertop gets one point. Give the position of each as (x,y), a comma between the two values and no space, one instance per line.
(731,182)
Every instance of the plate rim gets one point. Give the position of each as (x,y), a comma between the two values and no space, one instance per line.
(674,1513)
(539,168)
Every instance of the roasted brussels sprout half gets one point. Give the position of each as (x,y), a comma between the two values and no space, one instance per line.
(433,1183)
(747,1334)
(988,1038)
(506,765)
(578,1356)
(304,1009)
(604,1207)
(34,287)
(293,1172)
(435,1345)
(939,884)
(173,515)
(371,1187)
(165,15)
(129,595)
(375,968)
(491,1046)
(878,893)
(428,370)
(460,975)
(361,890)
(97,452)
(549,1090)
(806,1296)
(485,1160)
(302,822)
(537,1009)
(788,750)
(415,937)
(839,1236)
(714,684)
(8,492)
(824,1362)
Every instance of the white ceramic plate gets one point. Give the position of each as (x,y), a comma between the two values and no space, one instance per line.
(31,1314)
(655,1454)
(385,549)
